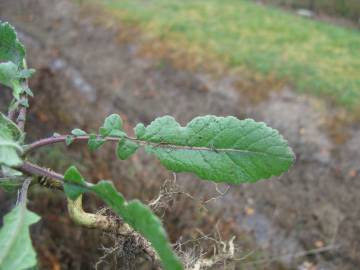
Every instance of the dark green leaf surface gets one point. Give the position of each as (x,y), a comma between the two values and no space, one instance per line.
(126,148)
(9,147)
(16,251)
(113,126)
(95,142)
(136,214)
(10,47)
(222,149)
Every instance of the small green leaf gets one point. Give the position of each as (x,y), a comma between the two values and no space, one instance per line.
(113,126)
(10,135)
(126,148)
(95,142)
(78,132)
(56,134)
(221,149)
(137,215)
(75,185)
(11,49)
(69,139)
(26,73)
(15,243)
(24,102)
(28,91)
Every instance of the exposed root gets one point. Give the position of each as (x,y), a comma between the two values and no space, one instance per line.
(138,245)
(170,190)
(226,254)
(223,252)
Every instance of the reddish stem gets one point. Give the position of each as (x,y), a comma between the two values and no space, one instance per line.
(58,139)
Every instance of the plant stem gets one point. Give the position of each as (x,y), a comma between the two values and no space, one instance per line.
(12,112)
(35,170)
(57,139)
(21,119)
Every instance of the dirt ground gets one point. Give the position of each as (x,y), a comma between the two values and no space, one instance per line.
(309,217)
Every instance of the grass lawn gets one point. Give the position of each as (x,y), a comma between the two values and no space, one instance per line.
(317,58)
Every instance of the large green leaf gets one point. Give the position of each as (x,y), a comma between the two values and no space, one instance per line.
(9,146)
(16,250)
(136,214)
(11,48)
(222,149)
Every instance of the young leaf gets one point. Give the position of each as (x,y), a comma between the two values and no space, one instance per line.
(221,149)
(69,139)
(136,214)
(126,148)
(9,147)
(11,49)
(113,126)
(28,91)
(16,251)
(78,132)
(95,142)
(24,103)
(74,185)
(26,73)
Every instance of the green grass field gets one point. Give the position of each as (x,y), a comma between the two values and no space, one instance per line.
(315,57)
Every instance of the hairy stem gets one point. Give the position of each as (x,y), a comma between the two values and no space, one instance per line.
(59,139)
(12,111)
(21,119)
(35,170)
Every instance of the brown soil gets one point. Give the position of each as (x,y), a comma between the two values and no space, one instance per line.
(87,69)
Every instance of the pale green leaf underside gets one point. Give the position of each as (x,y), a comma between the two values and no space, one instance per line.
(78,132)
(135,213)
(8,74)
(222,149)
(16,251)
(9,147)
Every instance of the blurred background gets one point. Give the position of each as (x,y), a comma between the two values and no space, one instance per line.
(294,64)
